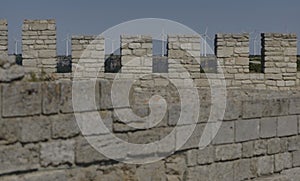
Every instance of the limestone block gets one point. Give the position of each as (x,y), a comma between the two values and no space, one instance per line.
(222,171)
(228,152)
(268,127)
(283,161)
(50,94)
(34,129)
(275,107)
(274,146)
(296,158)
(21,99)
(64,126)
(252,109)
(8,131)
(294,143)
(16,158)
(225,133)
(85,153)
(206,155)
(246,130)
(287,126)
(247,149)
(57,153)
(66,105)
(244,169)
(265,165)
(294,106)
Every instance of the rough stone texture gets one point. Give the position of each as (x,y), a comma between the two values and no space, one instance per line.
(268,127)
(85,153)
(244,169)
(296,158)
(8,131)
(287,125)
(34,129)
(64,126)
(66,105)
(206,155)
(9,70)
(39,47)
(16,158)
(228,152)
(50,96)
(242,128)
(265,165)
(57,153)
(283,161)
(21,99)
(225,133)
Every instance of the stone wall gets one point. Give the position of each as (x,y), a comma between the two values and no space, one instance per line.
(39,46)
(3,37)
(232,51)
(40,139)
(279,52)
(90,51)
(136,54)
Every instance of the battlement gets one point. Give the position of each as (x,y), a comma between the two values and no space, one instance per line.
(278,63)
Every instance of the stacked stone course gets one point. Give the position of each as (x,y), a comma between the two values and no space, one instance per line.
(3,36)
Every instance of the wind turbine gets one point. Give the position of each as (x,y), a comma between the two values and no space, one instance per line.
(16,46)
(67,44)
(163,36)
(205,41)
(112,44)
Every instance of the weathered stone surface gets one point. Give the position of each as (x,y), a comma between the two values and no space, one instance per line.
(252,109)
(246,130)
(57,153)
(283,161)
(294,107)
(202,173)
(8,131)
(274,146)
(51,93)
(152,171)
(206,155)
(296,158)
(225,133)
(34,129)
(292,174)
(265,165)
(17,158)
(176,166)
(66,105)
(228,152)
(268,127)
(247,149)
(244,169)
(233,109)
(260,147)
(85,153)
(287,125)
(64,126)
(21,99)
(294,143)
(222,171)
(275,107)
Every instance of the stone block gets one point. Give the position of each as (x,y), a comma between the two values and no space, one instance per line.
(246,130)
(34,129)
(244,169)
(274,146)
(17,158)
(152,171)
(105,95)
(21,99)
(8,131)
(85,153)
(287,126)
(276,107)
(247,149)
(268,127)
(201,173)
(260,147)
(222,171)
(228,152)
(294,143)
(294,106)
(50,97)
(206,155)
(66,105)
(296,158)
(57,153)
(265,165)
(252,109)
(283,161)
(292,174)
(225,133)
(64,126)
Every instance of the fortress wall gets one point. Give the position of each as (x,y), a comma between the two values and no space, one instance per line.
(3,37)
(89,50)
(40,139)
(136,54)
(39,46)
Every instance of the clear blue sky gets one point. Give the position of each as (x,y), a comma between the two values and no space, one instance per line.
(95,16)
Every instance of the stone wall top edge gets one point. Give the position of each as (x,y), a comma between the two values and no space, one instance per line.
(33,21)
